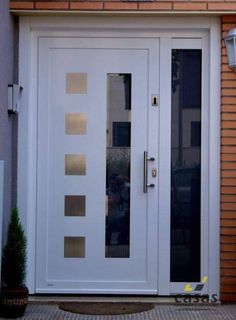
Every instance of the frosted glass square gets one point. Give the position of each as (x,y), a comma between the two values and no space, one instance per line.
(76,83)
(75,206)
(75,164)
(76,123)
(74,247)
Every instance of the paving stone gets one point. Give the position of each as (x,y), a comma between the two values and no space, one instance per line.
(36,311)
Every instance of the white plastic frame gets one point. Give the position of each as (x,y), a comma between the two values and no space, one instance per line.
(165,28)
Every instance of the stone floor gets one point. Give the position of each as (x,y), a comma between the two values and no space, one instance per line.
(43,311)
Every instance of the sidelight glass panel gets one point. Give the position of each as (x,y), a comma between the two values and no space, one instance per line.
(186,166)
(118,166)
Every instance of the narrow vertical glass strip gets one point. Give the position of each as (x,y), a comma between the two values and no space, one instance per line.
(118,166)
(186,166)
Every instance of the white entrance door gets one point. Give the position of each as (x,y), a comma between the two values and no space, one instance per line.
(96,216)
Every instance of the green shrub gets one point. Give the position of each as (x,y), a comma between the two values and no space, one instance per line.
(14,254)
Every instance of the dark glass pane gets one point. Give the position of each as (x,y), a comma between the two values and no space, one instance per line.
(185,165)
(118,166)
(121,134)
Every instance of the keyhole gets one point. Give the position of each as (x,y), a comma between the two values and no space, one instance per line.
(154,100)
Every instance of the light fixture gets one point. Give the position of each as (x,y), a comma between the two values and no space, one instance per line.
(230,42)
(14,93)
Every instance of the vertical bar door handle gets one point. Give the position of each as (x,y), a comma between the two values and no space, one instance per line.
(145,172)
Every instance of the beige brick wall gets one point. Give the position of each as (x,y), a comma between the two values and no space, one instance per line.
(228,171)
(109,5)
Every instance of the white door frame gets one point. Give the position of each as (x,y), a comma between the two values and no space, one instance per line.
(31,28)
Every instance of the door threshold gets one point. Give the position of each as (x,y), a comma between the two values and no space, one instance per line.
(83,298)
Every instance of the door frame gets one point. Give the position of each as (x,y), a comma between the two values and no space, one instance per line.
(207,28)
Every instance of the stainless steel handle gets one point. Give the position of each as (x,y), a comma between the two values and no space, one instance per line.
(145,172)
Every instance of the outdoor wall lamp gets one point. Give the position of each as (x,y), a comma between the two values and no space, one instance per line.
(230,42)
(14,93)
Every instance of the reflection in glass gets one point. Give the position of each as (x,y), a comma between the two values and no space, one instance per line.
(185,165)
(75,206)
(118,166)
(74,247)
(75,164)
(121,134)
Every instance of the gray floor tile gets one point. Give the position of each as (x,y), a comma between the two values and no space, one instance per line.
(161,312)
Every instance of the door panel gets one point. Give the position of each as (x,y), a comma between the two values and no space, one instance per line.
(84,242)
